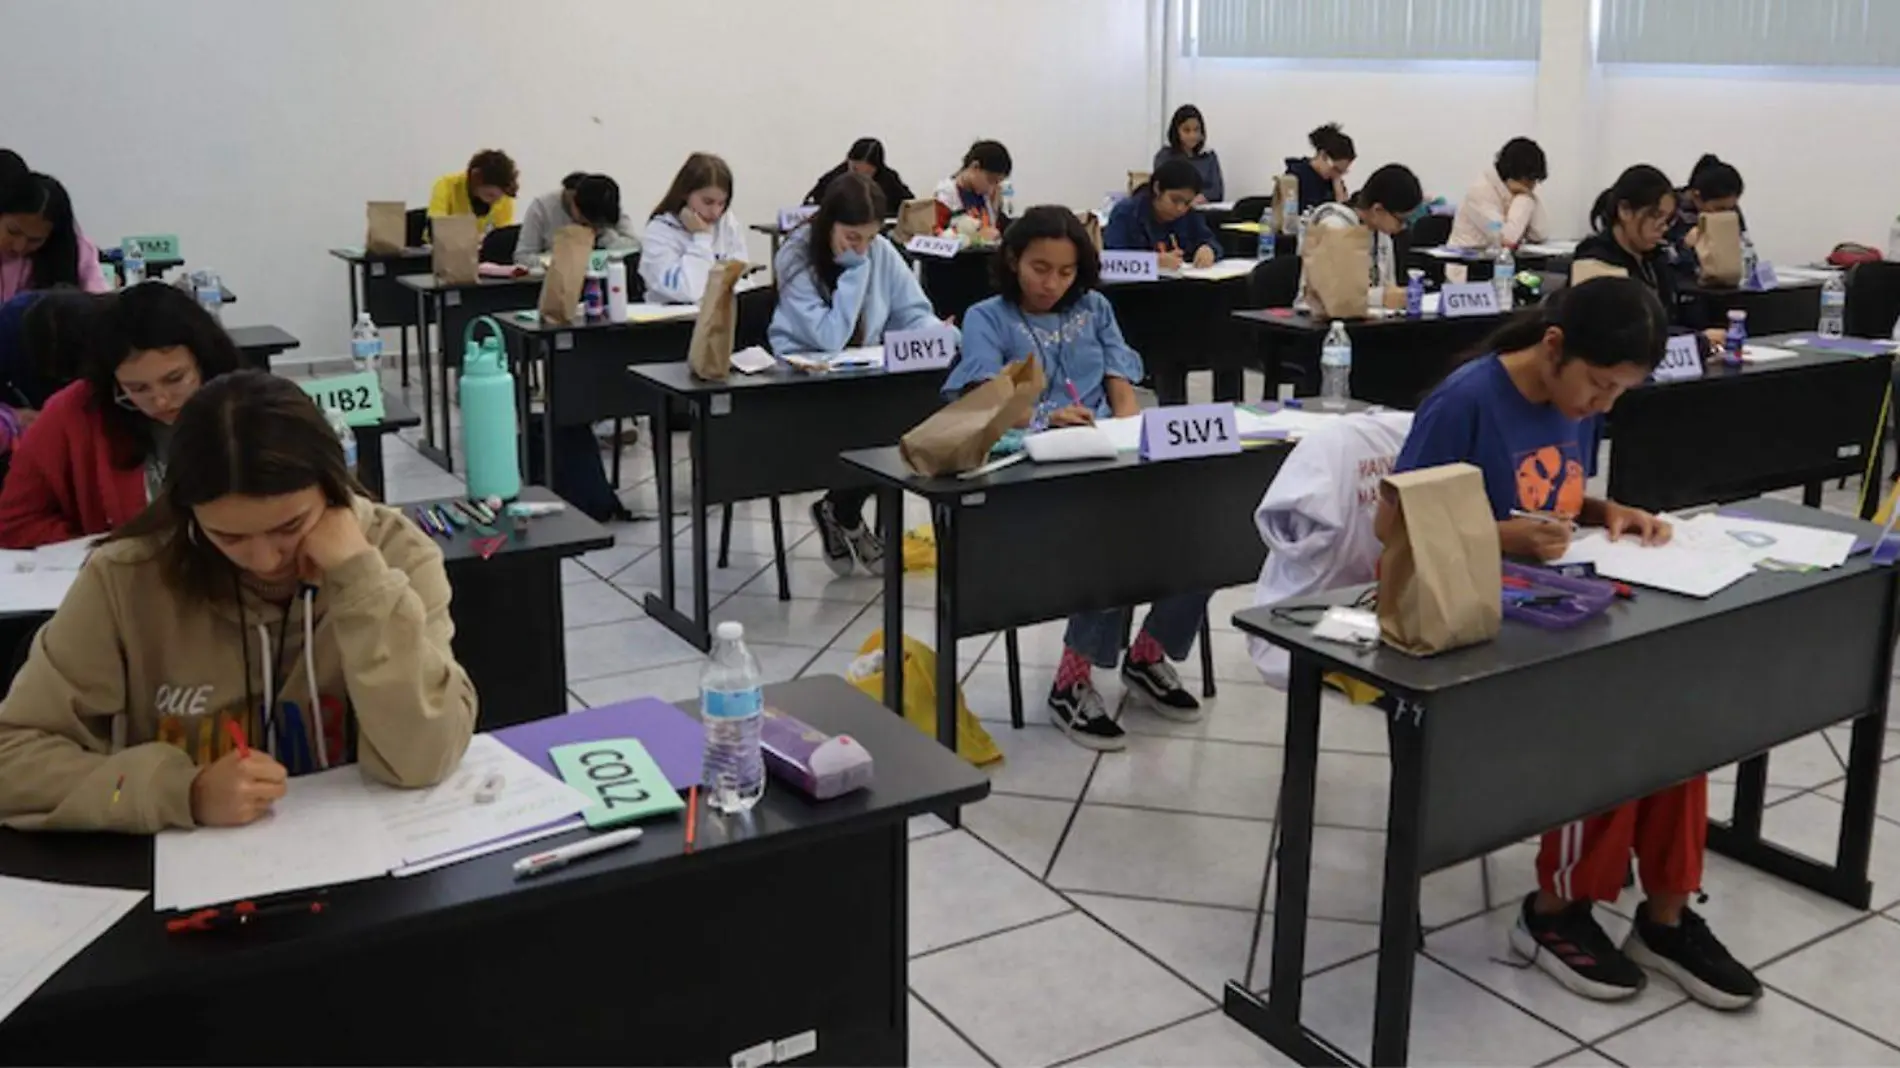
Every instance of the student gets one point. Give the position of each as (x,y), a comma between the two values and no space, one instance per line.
(975,192)
(1047,305)
(46,337)
(1161,218)
(692,229)
(1504,197)
(1322,175)
(1384,205)
(1529,415)
(590,200)
(840,284)
(41,245)
(1187,140)
(866,157)
(1628,223)
(486,189)
(1713,186)
(262,596)
(97,453)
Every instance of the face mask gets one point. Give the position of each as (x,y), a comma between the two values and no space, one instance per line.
(849,259)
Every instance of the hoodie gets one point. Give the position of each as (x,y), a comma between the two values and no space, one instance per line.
(1133,225)
(876,296)
(1314,190)
(126,689)
(1654,270)
(548,213)
(63,483)
(675,262)
(888,182)
(1489,201)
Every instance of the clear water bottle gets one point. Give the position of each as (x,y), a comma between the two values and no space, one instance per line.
(1335,365)
(732,703)
(1751,264)
(1504,279)
(1414,293)
(1834,307)
(1494,238)
(1009,199)
(366,344)
(344,436)
(1736,339)
(132,258)
(209,290)
(1267,238)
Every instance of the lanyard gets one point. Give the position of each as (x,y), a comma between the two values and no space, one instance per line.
(1052,369)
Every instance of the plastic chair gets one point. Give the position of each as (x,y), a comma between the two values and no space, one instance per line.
(499,245)
(1873,299)
(1249,209)
(755,308)
(1275,283)
(1431,231)
(415,227)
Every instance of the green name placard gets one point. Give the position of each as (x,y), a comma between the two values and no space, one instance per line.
(156,246)
(358,396)
(620,781)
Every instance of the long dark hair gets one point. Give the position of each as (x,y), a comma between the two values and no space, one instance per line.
(1606,321)
(1333,141)
(57,261)
(850,199)
(1181,115)
(1715,179)
(1393,187)
(867,150)
(64,332)
(1054,222)
(596,198)
(1639,188)
(151,315)
(701,169)
(13,173)
(249,433)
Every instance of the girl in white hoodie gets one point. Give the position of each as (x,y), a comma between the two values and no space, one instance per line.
(690,231)
(1505,197)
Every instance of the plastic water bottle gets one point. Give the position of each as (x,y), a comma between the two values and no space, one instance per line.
(1267,239)
(209,290)
(132,258)
(366,345)
(594,295)
(1494,238)
(1736,339)
(1751,264)
(1834,307)
(1009,199)
(1414,293)
(617,310)
(732,703)
(1504,279)
(1335,363)
(344,436)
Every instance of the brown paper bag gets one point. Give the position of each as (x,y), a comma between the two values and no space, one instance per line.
(959,436)
(1338,262)
(1582,271)
(1138,180)
(710,353)
(388,227)
(1286,203)
(455,248)
(567,274)
(1441,573)
(915,217)
(1719,248)
(1092,226)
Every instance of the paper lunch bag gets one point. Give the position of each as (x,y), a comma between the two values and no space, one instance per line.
(1719,249)
(710,353)
(1338,262)
(388,227)
(455,246)
(566,274)
(1441,572)
(958,437)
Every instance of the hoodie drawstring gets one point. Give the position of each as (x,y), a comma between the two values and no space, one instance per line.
(310,675)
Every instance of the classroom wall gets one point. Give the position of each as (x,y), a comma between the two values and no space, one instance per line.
(256,130)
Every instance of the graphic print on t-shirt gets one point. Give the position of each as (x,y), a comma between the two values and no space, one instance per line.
(1551,479)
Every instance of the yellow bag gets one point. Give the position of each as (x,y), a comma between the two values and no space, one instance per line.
(920,549)
(974,744)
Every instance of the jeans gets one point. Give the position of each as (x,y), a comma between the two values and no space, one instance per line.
(1172,621)
(848,505)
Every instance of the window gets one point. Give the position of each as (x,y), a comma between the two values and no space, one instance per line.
(1365,29)
(1759,33)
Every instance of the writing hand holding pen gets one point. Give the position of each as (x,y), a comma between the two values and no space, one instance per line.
(1169,258)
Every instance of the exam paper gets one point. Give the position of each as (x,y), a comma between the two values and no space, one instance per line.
(646,312)
(753,360)
(34,591)
(1548,248)
(446,817)
(1804,274)
(1757,540)
(1221,270)
(1766,354)
(1125,432)
(1679,566)
(43,925)
(1289,422)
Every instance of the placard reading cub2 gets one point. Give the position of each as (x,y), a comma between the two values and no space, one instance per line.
(929,348)
(1682,359)
(1459,299)
(619,779)
(928,245)
(1125,266)
(358,396)
(1189,430)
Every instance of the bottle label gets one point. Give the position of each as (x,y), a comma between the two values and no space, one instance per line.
(365,349)
(721,704)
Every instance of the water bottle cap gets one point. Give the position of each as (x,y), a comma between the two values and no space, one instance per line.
(730,631)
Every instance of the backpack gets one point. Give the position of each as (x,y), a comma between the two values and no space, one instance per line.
(1848,254)
(578,473)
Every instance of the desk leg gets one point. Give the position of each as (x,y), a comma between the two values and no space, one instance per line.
(696,452)
(547,414)
(436,448)
(524,407)
(663,493)
(403,344)
(356,306)
(890,520)
(694,628)
(946,523)
(369,464)
(442,380)
(1398,913)
(1874,490)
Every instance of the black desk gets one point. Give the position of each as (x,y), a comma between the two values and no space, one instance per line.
(1395,360)
(766,435)
(953,283)
(1481,265)
(257,344)
(1741,432)
(449,307)
(1033,542)
(510,633)
(369,443)
(1785,309)
(1180,325)
(641,955)
(373,288)
(1500,741)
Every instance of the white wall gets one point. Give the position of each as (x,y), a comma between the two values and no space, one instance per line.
(277,120)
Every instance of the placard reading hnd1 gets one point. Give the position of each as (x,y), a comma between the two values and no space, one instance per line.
(929,348)
(1124,266)
(358,396)
(1186,430)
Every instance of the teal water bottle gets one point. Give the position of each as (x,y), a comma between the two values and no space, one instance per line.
(489,439)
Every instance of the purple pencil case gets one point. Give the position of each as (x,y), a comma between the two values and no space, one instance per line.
(1525,587)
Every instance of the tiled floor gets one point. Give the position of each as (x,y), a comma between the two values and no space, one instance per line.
(1090,910)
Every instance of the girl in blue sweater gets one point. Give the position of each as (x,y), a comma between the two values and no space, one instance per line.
(841,284)
(1048,308)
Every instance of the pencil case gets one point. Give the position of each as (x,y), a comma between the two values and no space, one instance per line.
(1527,590)
(819,765)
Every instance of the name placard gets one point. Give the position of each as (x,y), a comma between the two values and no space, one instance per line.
(1765,277)
(1178,432)
(358,396)
(929,348)
(619,779)
(789,218)
(1682,359)
(155,246)
(1459,299)
(1121,265)
(932,245)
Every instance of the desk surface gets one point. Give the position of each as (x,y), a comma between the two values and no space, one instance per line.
(397,415)
(1307,323)
(678,378)
(273,338)
(428,283)
(912,776)
(568,533)
(355,254)
(886,465)
(1520,645)
(1805,357)
(513,322)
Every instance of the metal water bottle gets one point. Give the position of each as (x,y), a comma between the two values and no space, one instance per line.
(489,439)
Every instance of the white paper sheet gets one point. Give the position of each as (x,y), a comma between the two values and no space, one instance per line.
(44,925)
(1216,205)
(1548,248)
(1221,270)
(1804,274)
(1766,354)
(1680,566)
(34,591)
(1124,432)
(64,555)
(446,817)
(753,360)
(646,312)
(1293,422)
(1757,540)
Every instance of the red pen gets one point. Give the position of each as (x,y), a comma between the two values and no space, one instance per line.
(237,738)
(240,914)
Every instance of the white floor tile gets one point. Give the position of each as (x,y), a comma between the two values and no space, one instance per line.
(608,562)
(1583,1058)
(1050,991)
(1811,824)
(615,648)
(1222,606)
(1240,712)
(815,579)
(1851,975)
(1208,945)
(1188,775)
(1349,874)
(1171,855)
(1348,728)
(1207,1041)
(1454,1022)
(572,572)
(1352,790)
(1024,829)
(1039,761)
(920,624)
(1231,660)
(1774,1031)
(934,1045)
(928,824)
(643,576)
(680,681)
(961,889)
(1806,761)
(1722,797)
(592,601)
(814,624)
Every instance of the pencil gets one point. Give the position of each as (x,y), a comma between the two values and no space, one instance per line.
(692,815)
(116,787)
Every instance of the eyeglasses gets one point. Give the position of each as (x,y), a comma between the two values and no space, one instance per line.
(177,384)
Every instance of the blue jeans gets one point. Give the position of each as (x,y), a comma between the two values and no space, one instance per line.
(1172,621)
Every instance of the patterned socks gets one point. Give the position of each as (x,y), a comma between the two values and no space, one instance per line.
(1145,650)
(1074,668)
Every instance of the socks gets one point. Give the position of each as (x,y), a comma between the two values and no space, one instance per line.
(1145,650)
(1074,668)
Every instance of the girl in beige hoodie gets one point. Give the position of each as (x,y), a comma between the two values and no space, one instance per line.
(259,605)
(1505,197)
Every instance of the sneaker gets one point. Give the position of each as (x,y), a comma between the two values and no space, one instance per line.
(867,547)
(1691,955)
(837,548)
(1572,949)
(1159,687)
(1078,712)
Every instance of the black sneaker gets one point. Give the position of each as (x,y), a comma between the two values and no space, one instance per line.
(1572,949)
(1078,711)
(837,548)
(1159,687)
(867,547)
(1691,955)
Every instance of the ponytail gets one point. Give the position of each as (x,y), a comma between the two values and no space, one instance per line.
(1640,188)
(1333,141)
(1606,322)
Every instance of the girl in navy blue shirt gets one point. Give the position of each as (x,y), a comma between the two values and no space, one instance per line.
(1161,219)
(1529,415)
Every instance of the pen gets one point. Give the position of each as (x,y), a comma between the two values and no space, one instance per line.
(1543,517)
(116,787)
(692,815)
(1074,397)
(241,914)
(237,738)
(550,859)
